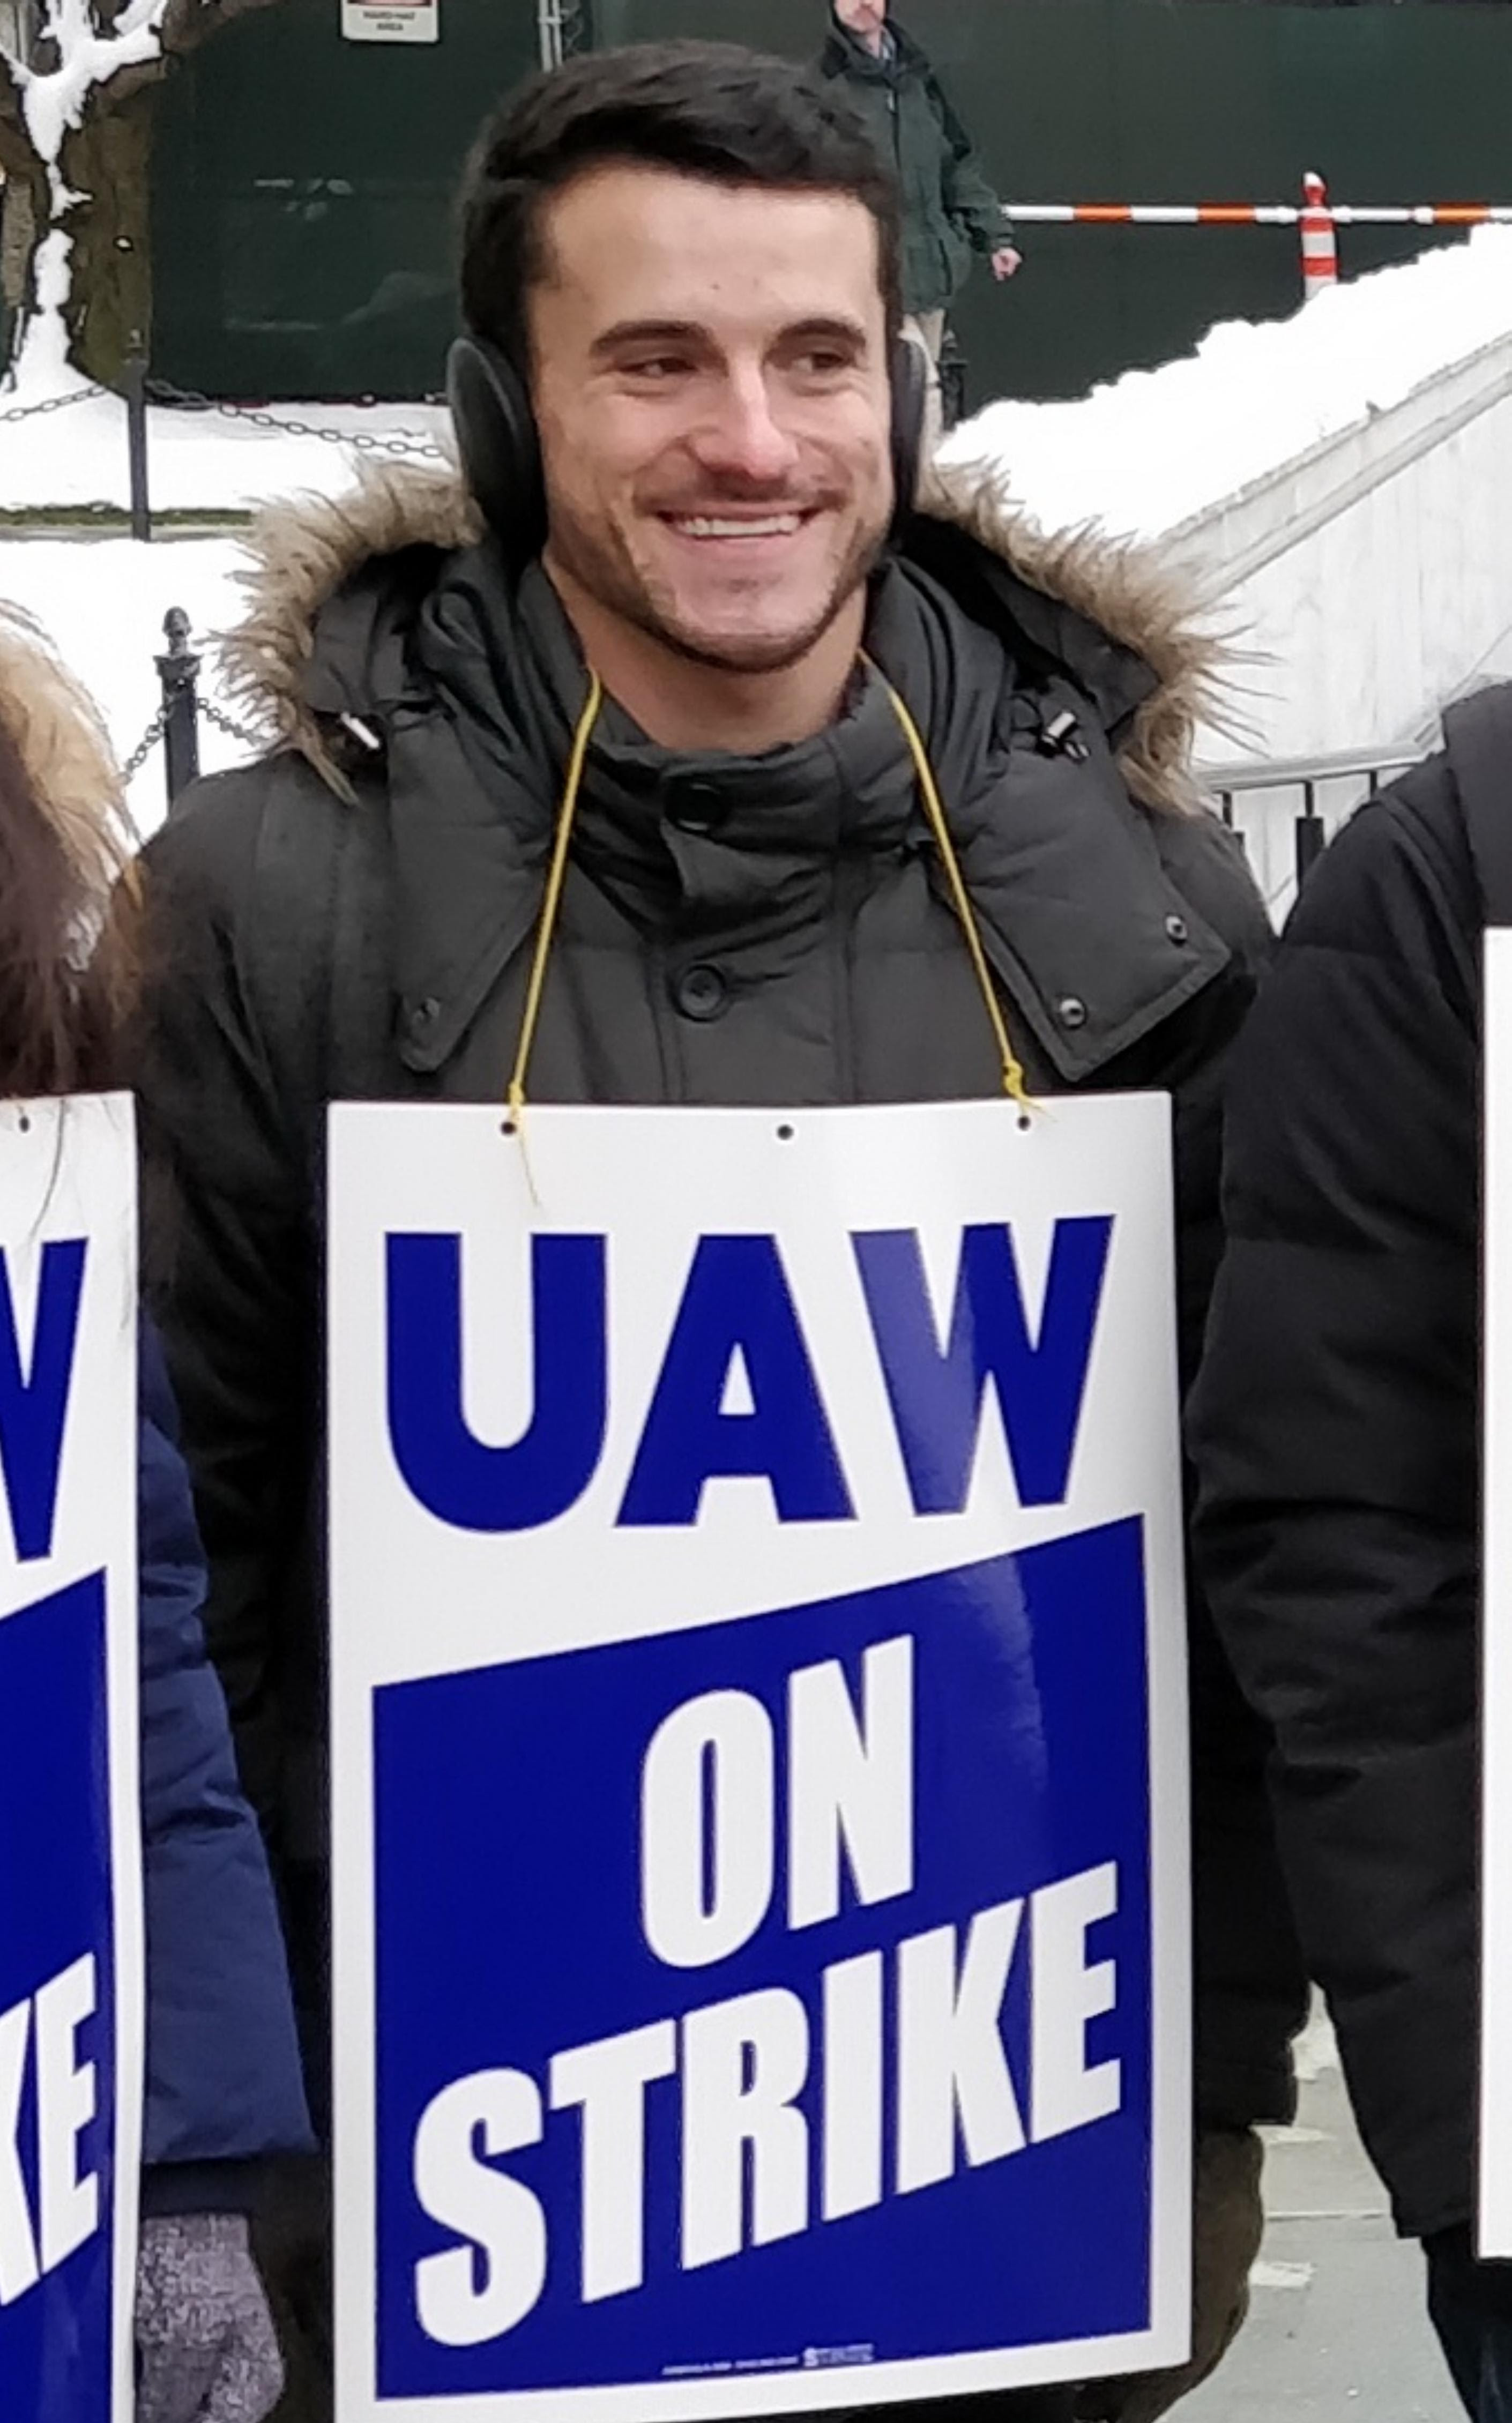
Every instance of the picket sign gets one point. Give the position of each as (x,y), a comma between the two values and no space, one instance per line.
(70,1928)
(1496,1697)
(758,1683)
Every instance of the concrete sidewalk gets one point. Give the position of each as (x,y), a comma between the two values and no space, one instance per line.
(1337,2330)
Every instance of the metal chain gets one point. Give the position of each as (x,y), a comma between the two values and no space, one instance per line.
(224,722)
(145,746)
(401,443)
(49,404)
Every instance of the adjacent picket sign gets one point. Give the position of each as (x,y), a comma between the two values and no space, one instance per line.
(1496,1863)
(759,1758)
(70,1950)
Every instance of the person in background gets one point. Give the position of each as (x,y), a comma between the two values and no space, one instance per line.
(1335,1427)
(951,212)
(222,2088)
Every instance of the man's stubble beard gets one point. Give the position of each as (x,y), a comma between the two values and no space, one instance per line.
(613,579)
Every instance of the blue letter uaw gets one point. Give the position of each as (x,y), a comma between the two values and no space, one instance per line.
(759,1770)
(70,1918)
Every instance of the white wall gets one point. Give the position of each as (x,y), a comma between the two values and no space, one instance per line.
(1340,484)
(1368,584)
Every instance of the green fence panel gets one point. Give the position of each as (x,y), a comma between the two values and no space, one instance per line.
(302,198)
(301,235)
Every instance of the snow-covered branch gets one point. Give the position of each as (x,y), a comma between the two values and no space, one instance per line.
(90,58)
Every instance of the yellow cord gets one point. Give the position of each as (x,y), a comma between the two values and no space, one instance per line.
(1014,1085)
(550,906)
(1013,1079)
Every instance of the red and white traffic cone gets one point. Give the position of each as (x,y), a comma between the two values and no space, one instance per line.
(1320,241)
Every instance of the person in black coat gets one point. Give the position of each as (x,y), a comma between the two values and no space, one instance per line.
(1334,1428)
(753,909)
(223,2086)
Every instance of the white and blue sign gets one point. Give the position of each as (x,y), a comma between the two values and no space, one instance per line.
(759,1758)
(70,1917)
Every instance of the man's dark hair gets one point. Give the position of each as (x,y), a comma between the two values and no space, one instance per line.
(703,109)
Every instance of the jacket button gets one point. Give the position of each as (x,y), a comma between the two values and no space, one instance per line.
(1176,929)
(701,992)
(697,806)
(1070,1011)
(425,1014)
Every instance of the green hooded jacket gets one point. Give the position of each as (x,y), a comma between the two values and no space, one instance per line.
(949,209)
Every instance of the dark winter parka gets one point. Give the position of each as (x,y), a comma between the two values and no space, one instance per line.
(347,918)
(1335,1428)
(951,212)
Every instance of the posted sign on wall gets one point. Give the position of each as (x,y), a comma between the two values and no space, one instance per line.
(759,1758)
(391,21)
(70,1911)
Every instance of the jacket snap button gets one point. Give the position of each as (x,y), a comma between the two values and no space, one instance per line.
(1070,1011)
(696,807)
(701,992)
(1176,928)
(426,1015)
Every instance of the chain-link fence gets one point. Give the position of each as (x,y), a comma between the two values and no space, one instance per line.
(12,414)
(401,444)
(140,392)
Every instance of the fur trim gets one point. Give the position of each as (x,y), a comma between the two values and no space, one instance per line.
(303,550)
(65,750)
(1127,590)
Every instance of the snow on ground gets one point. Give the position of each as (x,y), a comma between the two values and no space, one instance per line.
(1156,447)
(102,598)
(1144,454)
(104,601)
(197,461)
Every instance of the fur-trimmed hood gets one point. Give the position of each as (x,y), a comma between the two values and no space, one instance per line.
(64,749)
(1113,616)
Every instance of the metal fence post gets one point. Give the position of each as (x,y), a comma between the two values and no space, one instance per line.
(134,380)
(178,671)
(1311,834)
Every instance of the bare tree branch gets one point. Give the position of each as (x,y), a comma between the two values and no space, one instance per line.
(95,189)
(186,24)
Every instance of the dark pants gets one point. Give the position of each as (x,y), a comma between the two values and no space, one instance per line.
(1471,2306)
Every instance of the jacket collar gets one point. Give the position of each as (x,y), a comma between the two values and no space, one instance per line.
(334,588)
(1068,877)
(844,55)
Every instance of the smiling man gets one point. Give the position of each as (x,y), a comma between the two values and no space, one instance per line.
(714,405)
(680,560)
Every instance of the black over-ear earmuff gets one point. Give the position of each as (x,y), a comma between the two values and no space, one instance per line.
(497,444)
(500,452)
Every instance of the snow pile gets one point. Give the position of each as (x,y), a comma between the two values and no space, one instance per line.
(104,601)
(1156,448)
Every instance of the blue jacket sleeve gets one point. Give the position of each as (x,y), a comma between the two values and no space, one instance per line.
(223,2077)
